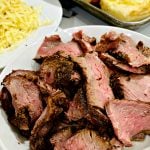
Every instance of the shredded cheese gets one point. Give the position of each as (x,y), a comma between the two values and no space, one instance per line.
(17,20)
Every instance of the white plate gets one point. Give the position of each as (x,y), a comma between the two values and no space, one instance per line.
(8,138)
(51,10)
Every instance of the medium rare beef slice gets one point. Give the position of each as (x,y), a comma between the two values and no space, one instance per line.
(128,118)
(60,72)
(96,76)
(87,140)
(134,87)
(119,66)
(59,138)
(53,44)
(87,43)
(46,121)
(77,107)
(26,101)
(30,75)
(122,47)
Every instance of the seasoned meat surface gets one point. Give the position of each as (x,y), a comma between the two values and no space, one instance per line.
(128,118)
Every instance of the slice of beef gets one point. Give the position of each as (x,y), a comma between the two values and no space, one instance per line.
(134,87)
(128,118)
(145,50)
(48,43)
(6,102)
(122,47)
(53,44)
(96,76)
(60,72)
(77,107)
(87,140)
(87,43)
(30,75)
(46,121)
(99,121)
(60,138)
(114,63)
(26,101)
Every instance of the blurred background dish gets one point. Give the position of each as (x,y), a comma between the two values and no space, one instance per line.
(49,10)
(114,13)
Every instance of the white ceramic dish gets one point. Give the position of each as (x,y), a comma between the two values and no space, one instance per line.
(50,9)
(9,138)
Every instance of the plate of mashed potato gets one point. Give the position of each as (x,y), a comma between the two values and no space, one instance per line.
(23,22)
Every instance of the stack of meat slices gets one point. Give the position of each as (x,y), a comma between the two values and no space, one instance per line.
(85,95)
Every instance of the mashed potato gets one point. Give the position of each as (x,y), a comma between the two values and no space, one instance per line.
(127,10)
(17,20)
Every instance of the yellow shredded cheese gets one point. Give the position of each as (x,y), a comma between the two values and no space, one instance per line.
(17,20)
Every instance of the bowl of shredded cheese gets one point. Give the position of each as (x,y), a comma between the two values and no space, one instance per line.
(17,21)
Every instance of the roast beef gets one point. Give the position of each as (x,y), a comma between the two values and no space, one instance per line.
(128,118)
(145,50)
(88,140)
(46,121)
(30,75)
(120,66)
(60,138)
(134,87)
(122,47)
(26,101)
(77,107)
(96,75)
(87,43)
(60,72)
(53,44)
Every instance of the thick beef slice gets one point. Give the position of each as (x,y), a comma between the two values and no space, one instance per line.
(120,66)
(124,48)
(59,72)
(59,138)
(135,87)
(46,121)
(96,75)
(87,43)
(128,118)
(145,50)
(30,75)
(48,43)
(87,140)
(77,107)
(6,102)
(25,100)
(53,44)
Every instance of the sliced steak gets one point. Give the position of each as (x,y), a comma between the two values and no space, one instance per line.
(128,118)
(122,47)
(96,76)
(87,140)
(53,44)
(99,121)
(134,87)
(58,139)
(77,107)
(60,72)
(6,102)
(30,75)
(120,66)
(87,43)
(145,50)
(46,121)
(25,100)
